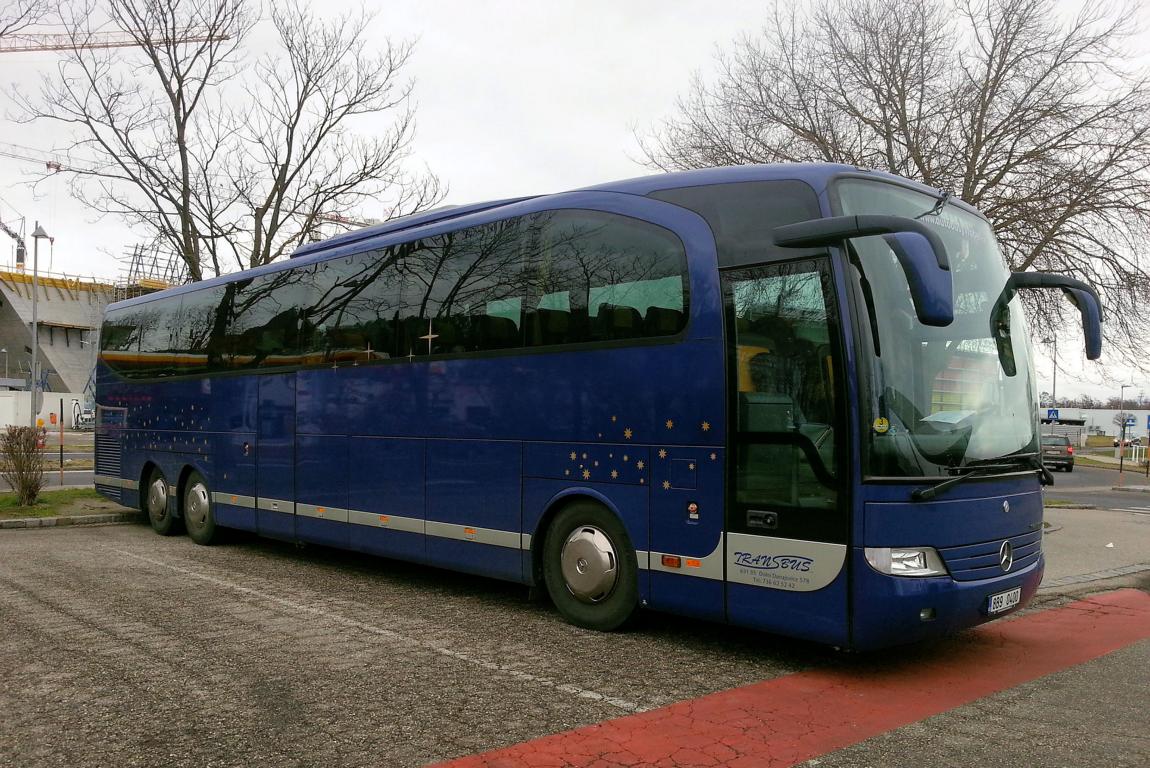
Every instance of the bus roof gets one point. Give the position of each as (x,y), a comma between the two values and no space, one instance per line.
(442,213)
(815,174)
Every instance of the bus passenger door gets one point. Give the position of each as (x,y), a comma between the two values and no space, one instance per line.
(275,457)
(787,511)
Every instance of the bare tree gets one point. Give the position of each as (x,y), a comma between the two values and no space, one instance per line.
(144,118)
(1027,114)
(18,15)
(297,161)
(228,165)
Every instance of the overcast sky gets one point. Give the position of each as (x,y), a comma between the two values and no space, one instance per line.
(512,98)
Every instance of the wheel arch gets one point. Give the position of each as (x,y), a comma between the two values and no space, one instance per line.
(186,472)
(149,466)
(551,510)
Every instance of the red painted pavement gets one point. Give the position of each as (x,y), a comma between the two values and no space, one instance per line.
(790,719)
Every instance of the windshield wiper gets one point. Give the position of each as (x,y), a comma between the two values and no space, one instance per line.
(978,470)
(939,204)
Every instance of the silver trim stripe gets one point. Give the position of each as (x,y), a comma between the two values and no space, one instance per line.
(115,482)
(233,499)
(708,567)
(335,514)
(491,536)
(275,505)
(390,522)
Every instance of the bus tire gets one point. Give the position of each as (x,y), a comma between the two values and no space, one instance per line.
(156,504)
(197,509)
(589,567)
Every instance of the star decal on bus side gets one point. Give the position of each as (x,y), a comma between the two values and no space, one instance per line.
(430,337)
(627,433)
(666,485)
(670,424)
(586,474)
(705,426)
(662,453)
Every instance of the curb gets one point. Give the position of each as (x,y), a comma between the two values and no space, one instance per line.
(60,522)
(1131,488)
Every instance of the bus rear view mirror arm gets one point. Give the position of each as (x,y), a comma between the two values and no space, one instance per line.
(919,250)
(1080,294)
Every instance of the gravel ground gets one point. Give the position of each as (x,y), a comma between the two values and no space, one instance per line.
(120,647)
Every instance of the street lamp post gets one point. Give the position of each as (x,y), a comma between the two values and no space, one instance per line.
(37,235)
(1053,342)
(1122,437)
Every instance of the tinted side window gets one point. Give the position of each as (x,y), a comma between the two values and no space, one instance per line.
(137,341)
(350,313)
(120,339)
(263,325)
(602,277)
(743,215)
(198,330)
(464,291)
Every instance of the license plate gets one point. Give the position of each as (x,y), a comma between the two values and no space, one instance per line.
(1004,601)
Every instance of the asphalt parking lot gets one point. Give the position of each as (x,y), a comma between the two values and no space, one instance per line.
(120,647)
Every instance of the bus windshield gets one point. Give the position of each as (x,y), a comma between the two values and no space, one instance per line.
(934,399)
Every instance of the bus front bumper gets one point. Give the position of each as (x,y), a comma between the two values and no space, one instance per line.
(894,610)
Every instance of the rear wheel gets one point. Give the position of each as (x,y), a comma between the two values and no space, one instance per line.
(197,509)
(156,504)
(1069,467)
(589,567)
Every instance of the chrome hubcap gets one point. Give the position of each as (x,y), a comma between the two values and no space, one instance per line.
(196,505)
(589,564)
(158,499)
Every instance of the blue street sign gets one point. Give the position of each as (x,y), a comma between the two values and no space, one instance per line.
(1148,422)
(1129,421)
(1052,413)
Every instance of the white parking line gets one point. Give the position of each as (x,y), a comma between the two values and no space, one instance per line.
(463,656)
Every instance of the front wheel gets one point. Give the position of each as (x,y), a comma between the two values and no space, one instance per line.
(590,569)
(1069,467)
(197,508)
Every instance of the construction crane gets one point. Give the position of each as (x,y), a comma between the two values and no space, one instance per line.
(21,249)
(53,163)
(94,40)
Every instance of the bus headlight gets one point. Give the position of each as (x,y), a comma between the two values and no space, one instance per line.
(905,561)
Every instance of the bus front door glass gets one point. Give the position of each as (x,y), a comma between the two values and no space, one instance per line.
(786,441)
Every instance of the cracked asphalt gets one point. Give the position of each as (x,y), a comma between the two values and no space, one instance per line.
(120,647)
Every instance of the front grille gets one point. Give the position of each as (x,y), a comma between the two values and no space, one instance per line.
(972,562)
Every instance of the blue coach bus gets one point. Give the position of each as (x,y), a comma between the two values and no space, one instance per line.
(792,397)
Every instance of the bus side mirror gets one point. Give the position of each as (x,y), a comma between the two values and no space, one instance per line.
(1080,294)
(919,250)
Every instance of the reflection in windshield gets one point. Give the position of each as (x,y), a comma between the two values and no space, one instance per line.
(940,397)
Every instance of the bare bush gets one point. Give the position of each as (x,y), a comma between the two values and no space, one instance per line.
(22,463)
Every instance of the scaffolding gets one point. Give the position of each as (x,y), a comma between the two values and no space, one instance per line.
(149,269)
